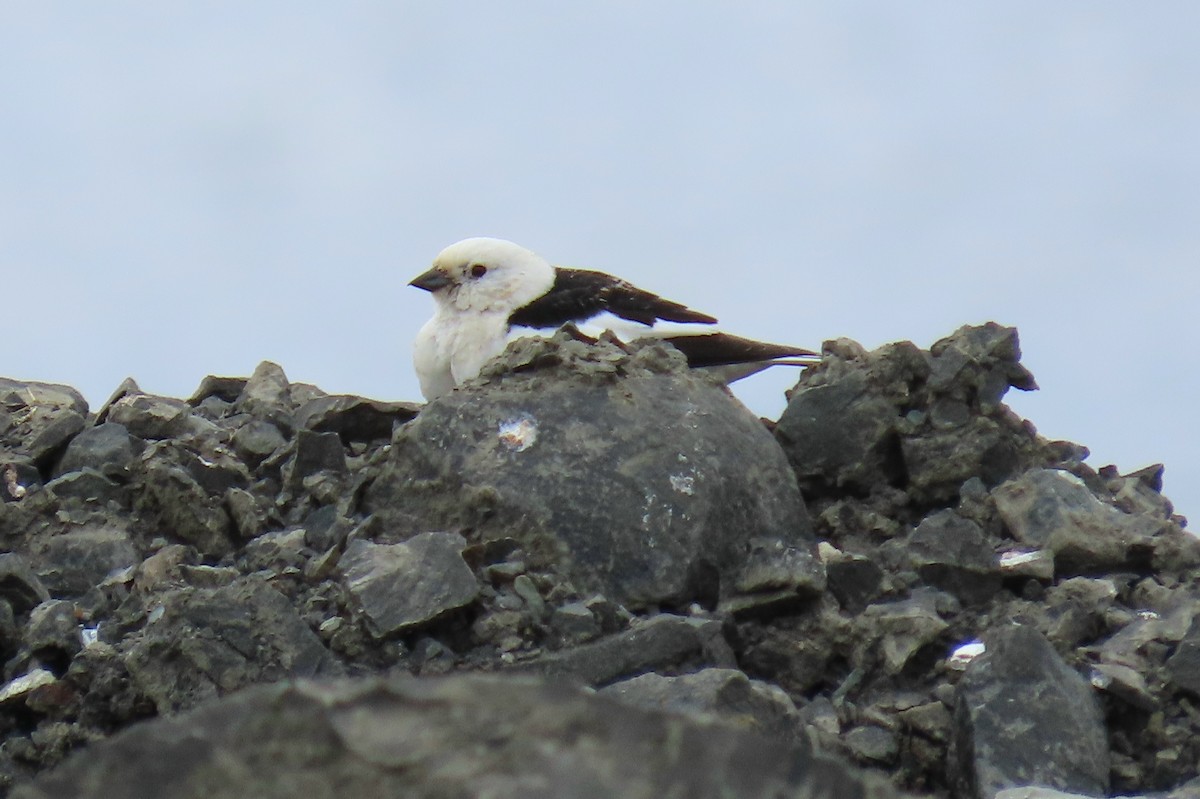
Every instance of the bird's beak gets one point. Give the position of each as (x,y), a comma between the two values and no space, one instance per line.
(432,280)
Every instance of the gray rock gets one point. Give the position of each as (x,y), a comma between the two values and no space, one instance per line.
(1023,717)
(107,448)
(226,389)
(267,396)
(19,584)
(662,643)
(72,563)
(954,554)
(870,743)
(41,419)
(574,623)
(404,586)
(725,694)
(150,417)
(208,642)
(453,737)
(53,631)
(854,580)
(1053,509)
(315,452)
(257,440)
(623,471)
(354,418)
(88,486)
(894,632)
(183,496)
(1183,667)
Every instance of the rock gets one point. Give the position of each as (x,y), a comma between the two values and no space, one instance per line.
(150,417)
(726,694)
(404,586)
(574,623)
(896,631)
(1023,717)
(72,563)
(19,584)
(41,419)
(266,396)
(1054,510)
(88,486)
(1183,667)
(342,740)
(870,743)
(177,491)
(621,470)
(209,642)
(257,440)
(53,631)
(226,389)
(354,418)
(315,452)
(854,580)
(662,643)
(954,554)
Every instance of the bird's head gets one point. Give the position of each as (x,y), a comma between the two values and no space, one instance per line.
(484,274)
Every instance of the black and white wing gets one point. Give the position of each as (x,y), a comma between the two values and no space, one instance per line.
(579,294)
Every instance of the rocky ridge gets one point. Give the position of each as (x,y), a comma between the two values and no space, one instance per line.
(899,586)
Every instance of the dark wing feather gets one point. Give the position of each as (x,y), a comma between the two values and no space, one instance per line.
(579,294)
(722,349)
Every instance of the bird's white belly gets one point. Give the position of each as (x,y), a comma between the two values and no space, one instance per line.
(450,349)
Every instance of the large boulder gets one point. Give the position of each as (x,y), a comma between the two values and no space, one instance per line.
(621,468)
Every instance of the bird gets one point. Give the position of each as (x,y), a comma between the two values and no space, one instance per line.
(488,291)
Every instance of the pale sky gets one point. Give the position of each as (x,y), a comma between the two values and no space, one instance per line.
(189,189)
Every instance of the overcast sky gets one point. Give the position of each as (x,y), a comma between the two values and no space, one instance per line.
(189,189)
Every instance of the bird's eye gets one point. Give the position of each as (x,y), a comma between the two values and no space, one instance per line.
(478,270)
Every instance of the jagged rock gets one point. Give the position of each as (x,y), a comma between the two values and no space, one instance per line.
(257,440)
(209,642)
(574,623)
(872,743)
(19,584)
(854,579)
(150,417)
(183,495)
(108,448)
(1024,717)
(341,740)
(1183,667)
(631,476)
(403,586)
(53,630)
(727,694)
(226,389)
(72,563)
(954,554)
(88,486)
(315,452)
(267,396)
(40,419)
(354,418)
(896,631)
(663,643)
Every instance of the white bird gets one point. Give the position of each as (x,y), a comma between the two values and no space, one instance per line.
(489,291)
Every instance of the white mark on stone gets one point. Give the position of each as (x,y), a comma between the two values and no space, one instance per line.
(683,483)
(965,653)
(89,636)
(518,434)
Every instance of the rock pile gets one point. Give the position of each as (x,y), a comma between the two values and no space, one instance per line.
(898,574)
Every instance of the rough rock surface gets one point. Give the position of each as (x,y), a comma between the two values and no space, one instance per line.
(460,737)
(599,516)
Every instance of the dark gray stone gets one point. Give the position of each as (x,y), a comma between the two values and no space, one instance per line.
(1054,510)
(53,631)
(662,643)
(873,744)
(1023,717)
(727,694)
(954,554)
(226,389)
(267,396)
(621,470)
(892,633)
(19,584)
(257,440)
(183,496)
(72,563)
(209,642)
(315,452)
(88,486)
(1183,667)
(452,737)
(150,417)
(404,586)
(574,623)
(354,418)
(854,580)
